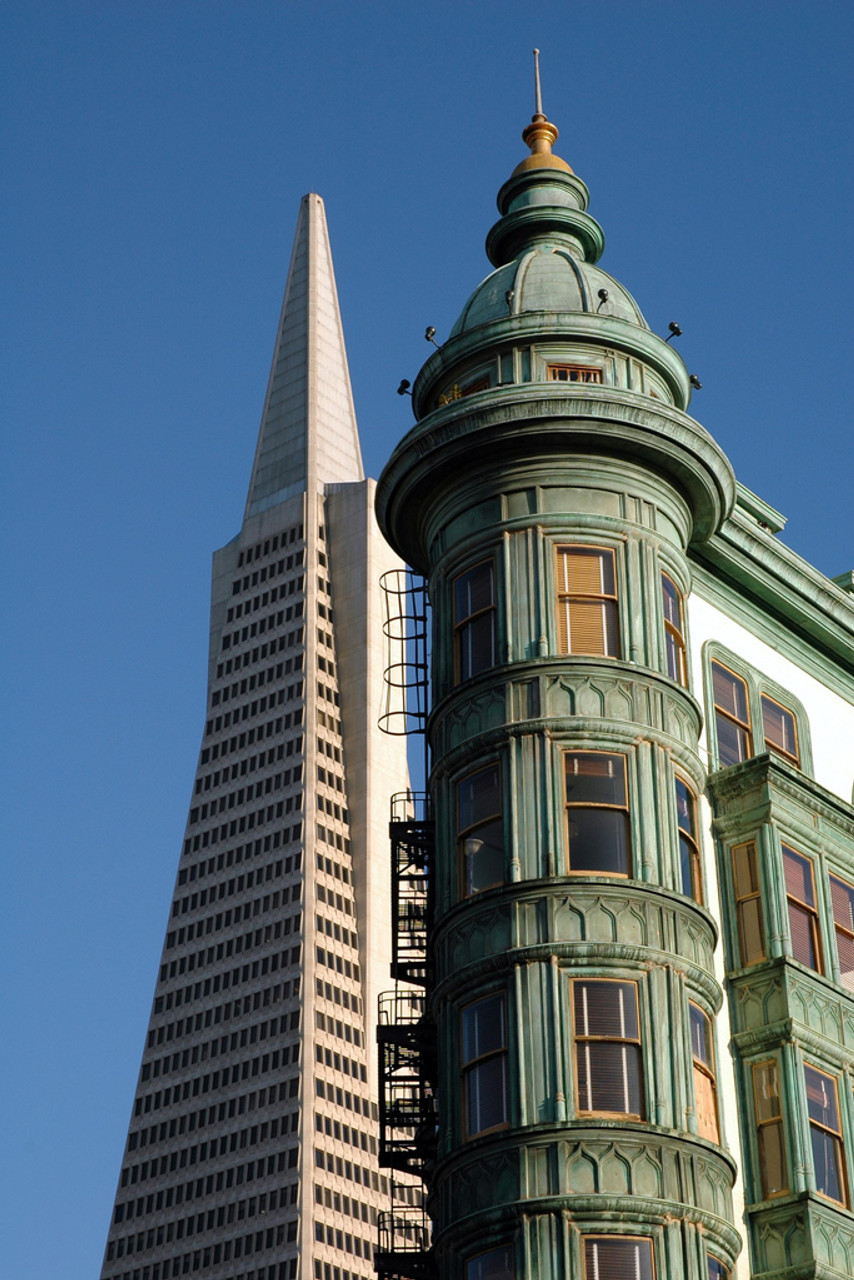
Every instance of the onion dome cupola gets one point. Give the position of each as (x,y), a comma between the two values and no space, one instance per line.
(549,323)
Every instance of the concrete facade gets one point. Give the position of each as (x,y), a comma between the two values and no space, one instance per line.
(252,1148)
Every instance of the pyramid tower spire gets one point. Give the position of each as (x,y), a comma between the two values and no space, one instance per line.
(308,434)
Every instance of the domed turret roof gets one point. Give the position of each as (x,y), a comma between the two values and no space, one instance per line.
(547,277)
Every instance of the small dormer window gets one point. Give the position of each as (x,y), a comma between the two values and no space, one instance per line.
(573,373)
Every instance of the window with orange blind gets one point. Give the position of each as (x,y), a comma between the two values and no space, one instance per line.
(748,903)
(769,1129)
(587,621)
(842,900)
(705,1088)
(597,813)
(803,915)
(780,729)
(618,1258)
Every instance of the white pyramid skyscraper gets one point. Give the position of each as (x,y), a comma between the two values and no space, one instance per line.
(251,1152)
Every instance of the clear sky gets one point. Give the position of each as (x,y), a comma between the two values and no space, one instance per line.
(154,155)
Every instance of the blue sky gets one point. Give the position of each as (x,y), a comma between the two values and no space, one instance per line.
(154,155)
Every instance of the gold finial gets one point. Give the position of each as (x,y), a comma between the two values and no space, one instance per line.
(540,134)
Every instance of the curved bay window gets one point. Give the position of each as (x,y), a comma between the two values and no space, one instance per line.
(484,1065)
(717,1270)
(689,850)
(617,1258)
(803,915)
(587,602)
(705,1088)
(474,621)
(597,813)
(674,631)
(825,1135)
(607,1047)
(480,830)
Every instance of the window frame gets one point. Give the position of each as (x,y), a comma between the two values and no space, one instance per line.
(755,895)
(461,625)
(485,1253)
(776,1120)
(742,726)
(810,910)
(586,1038)
(595,373)
(717,1268)
(760,688)
(565,597)
(835,1135)
(692,839)
(614,1236)
(706,1069)
(468,1066)
(463,834)
(839,928)
(673,633)
(625,809)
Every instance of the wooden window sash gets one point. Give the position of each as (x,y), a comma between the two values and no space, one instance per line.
(772,1123)
(748,907)
(471,1065)
(689,835)
(809,910)
(463,623)
(675,631)
(705,1083)
(588,623)
(583,1039)
(574,806)
(834,1134)
(587,373)
(726,713)
(843,923)
(469,832)
(605,1257)
(779,748)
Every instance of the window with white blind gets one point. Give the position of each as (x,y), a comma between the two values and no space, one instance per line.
(607,1047)
(587,621)
(484,1065)
(618,1258)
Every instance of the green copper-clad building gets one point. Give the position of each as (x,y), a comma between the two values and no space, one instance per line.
(638,860)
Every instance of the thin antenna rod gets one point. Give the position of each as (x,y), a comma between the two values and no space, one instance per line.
(538,95)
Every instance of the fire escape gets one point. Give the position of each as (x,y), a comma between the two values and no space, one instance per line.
(405,1032)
